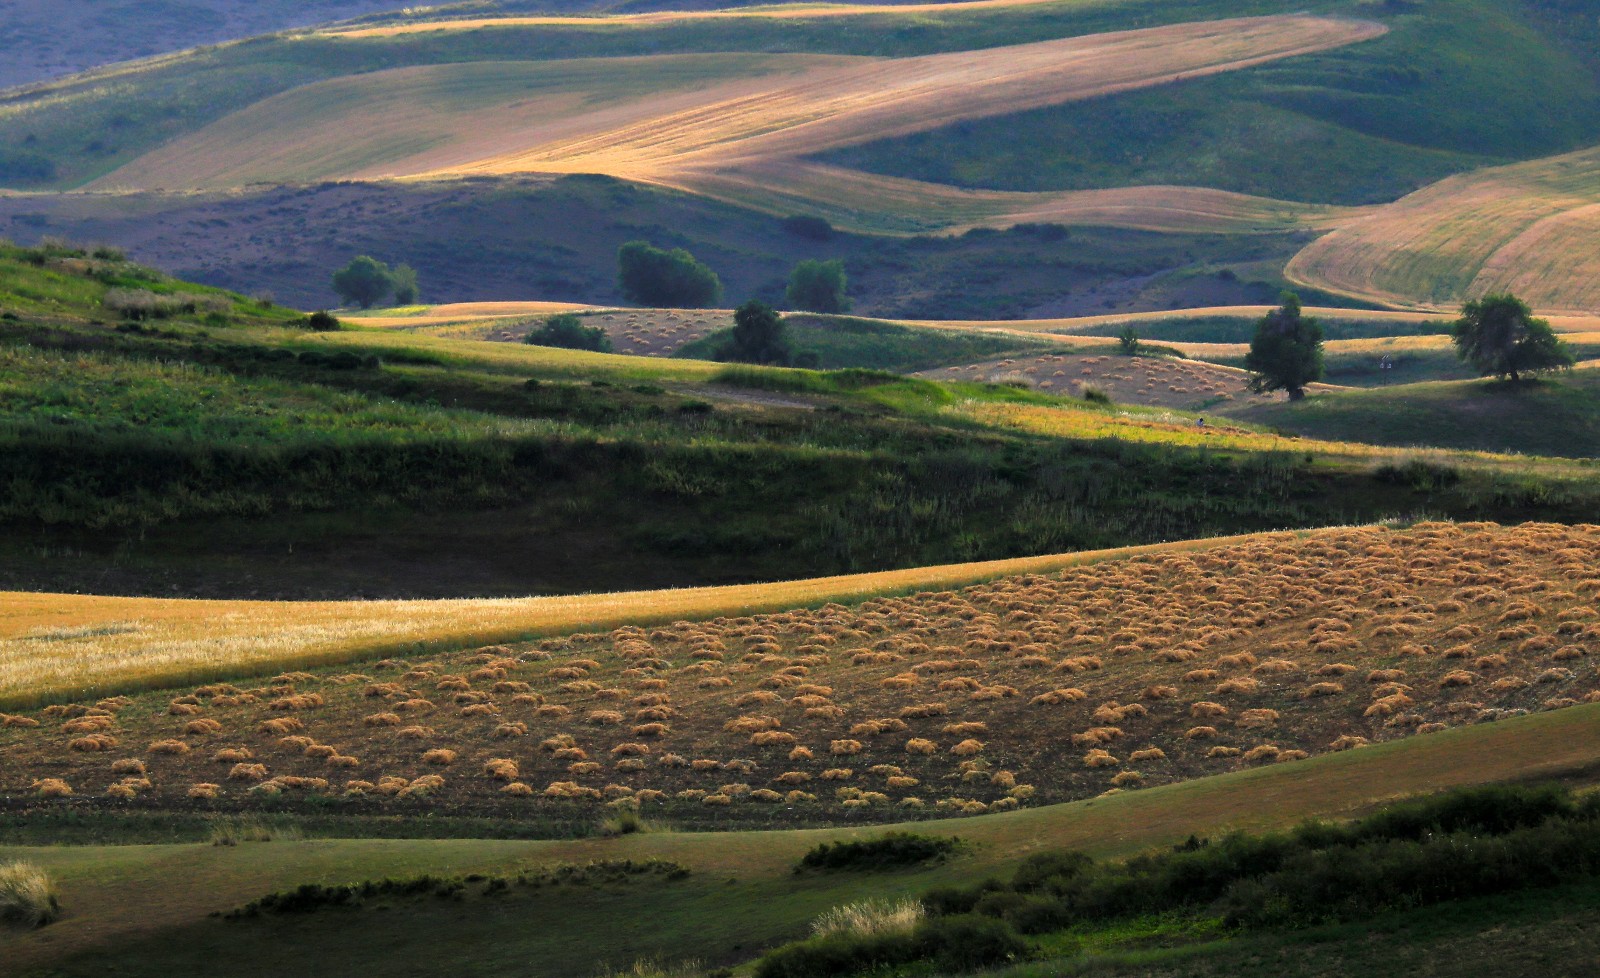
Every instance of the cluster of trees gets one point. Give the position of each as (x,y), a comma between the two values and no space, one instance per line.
(675,279)
(365,281)
(1497,334)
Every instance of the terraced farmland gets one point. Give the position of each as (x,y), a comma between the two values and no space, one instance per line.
(1032,688)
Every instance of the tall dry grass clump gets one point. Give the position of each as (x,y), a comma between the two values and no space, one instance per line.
(27,895)
(868,918)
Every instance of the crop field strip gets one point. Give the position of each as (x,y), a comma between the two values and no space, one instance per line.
(779,11)
(1530,227)
(1123,673)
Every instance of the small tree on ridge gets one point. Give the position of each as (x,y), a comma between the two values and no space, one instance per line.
(1286,352)
(1499,335)
(364,281)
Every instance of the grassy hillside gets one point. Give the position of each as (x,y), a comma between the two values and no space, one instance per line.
(1527,228)
(1362,124)
(1559,415)
(839,342)
(526,470)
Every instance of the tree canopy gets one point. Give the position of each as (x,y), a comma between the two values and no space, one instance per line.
(1286,352)
(818,286)
(403,279)
(652,276)
(568,331)
(1498,335)
(759,336)
(364,281)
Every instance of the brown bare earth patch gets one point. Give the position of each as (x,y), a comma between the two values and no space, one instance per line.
(1025,690)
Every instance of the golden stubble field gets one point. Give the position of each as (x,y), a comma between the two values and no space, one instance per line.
(1031,688)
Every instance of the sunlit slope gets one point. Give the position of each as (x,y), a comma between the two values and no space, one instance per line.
(721,111)
(1532,228)
(409,120)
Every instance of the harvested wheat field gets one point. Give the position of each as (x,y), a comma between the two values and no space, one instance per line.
(1531,228)
(1151,381)
(1028,689)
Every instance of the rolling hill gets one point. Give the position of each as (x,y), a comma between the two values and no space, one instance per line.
(1473,582)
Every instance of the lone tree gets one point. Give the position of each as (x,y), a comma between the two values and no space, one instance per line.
(652,276)
(1128,341)
(759,336)
(1286,352)
(404,281)
(818,286)
(1499,335)
(364,281)
(568,331)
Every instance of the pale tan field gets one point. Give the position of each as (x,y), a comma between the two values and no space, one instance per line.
(55,646)
(1136,671)
(794,11)
(1533,228)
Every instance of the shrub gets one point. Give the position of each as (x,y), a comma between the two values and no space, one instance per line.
(27,895)
(567,331)
(890,851)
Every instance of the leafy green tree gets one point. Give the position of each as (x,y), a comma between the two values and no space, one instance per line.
(1499,335)
(652,276)
(818,286)
(404,282)
(568,331)
(364,281)
(759,336)
(1286,352)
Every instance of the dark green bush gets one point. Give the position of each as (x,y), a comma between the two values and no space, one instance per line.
(568,332)
(890,851)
